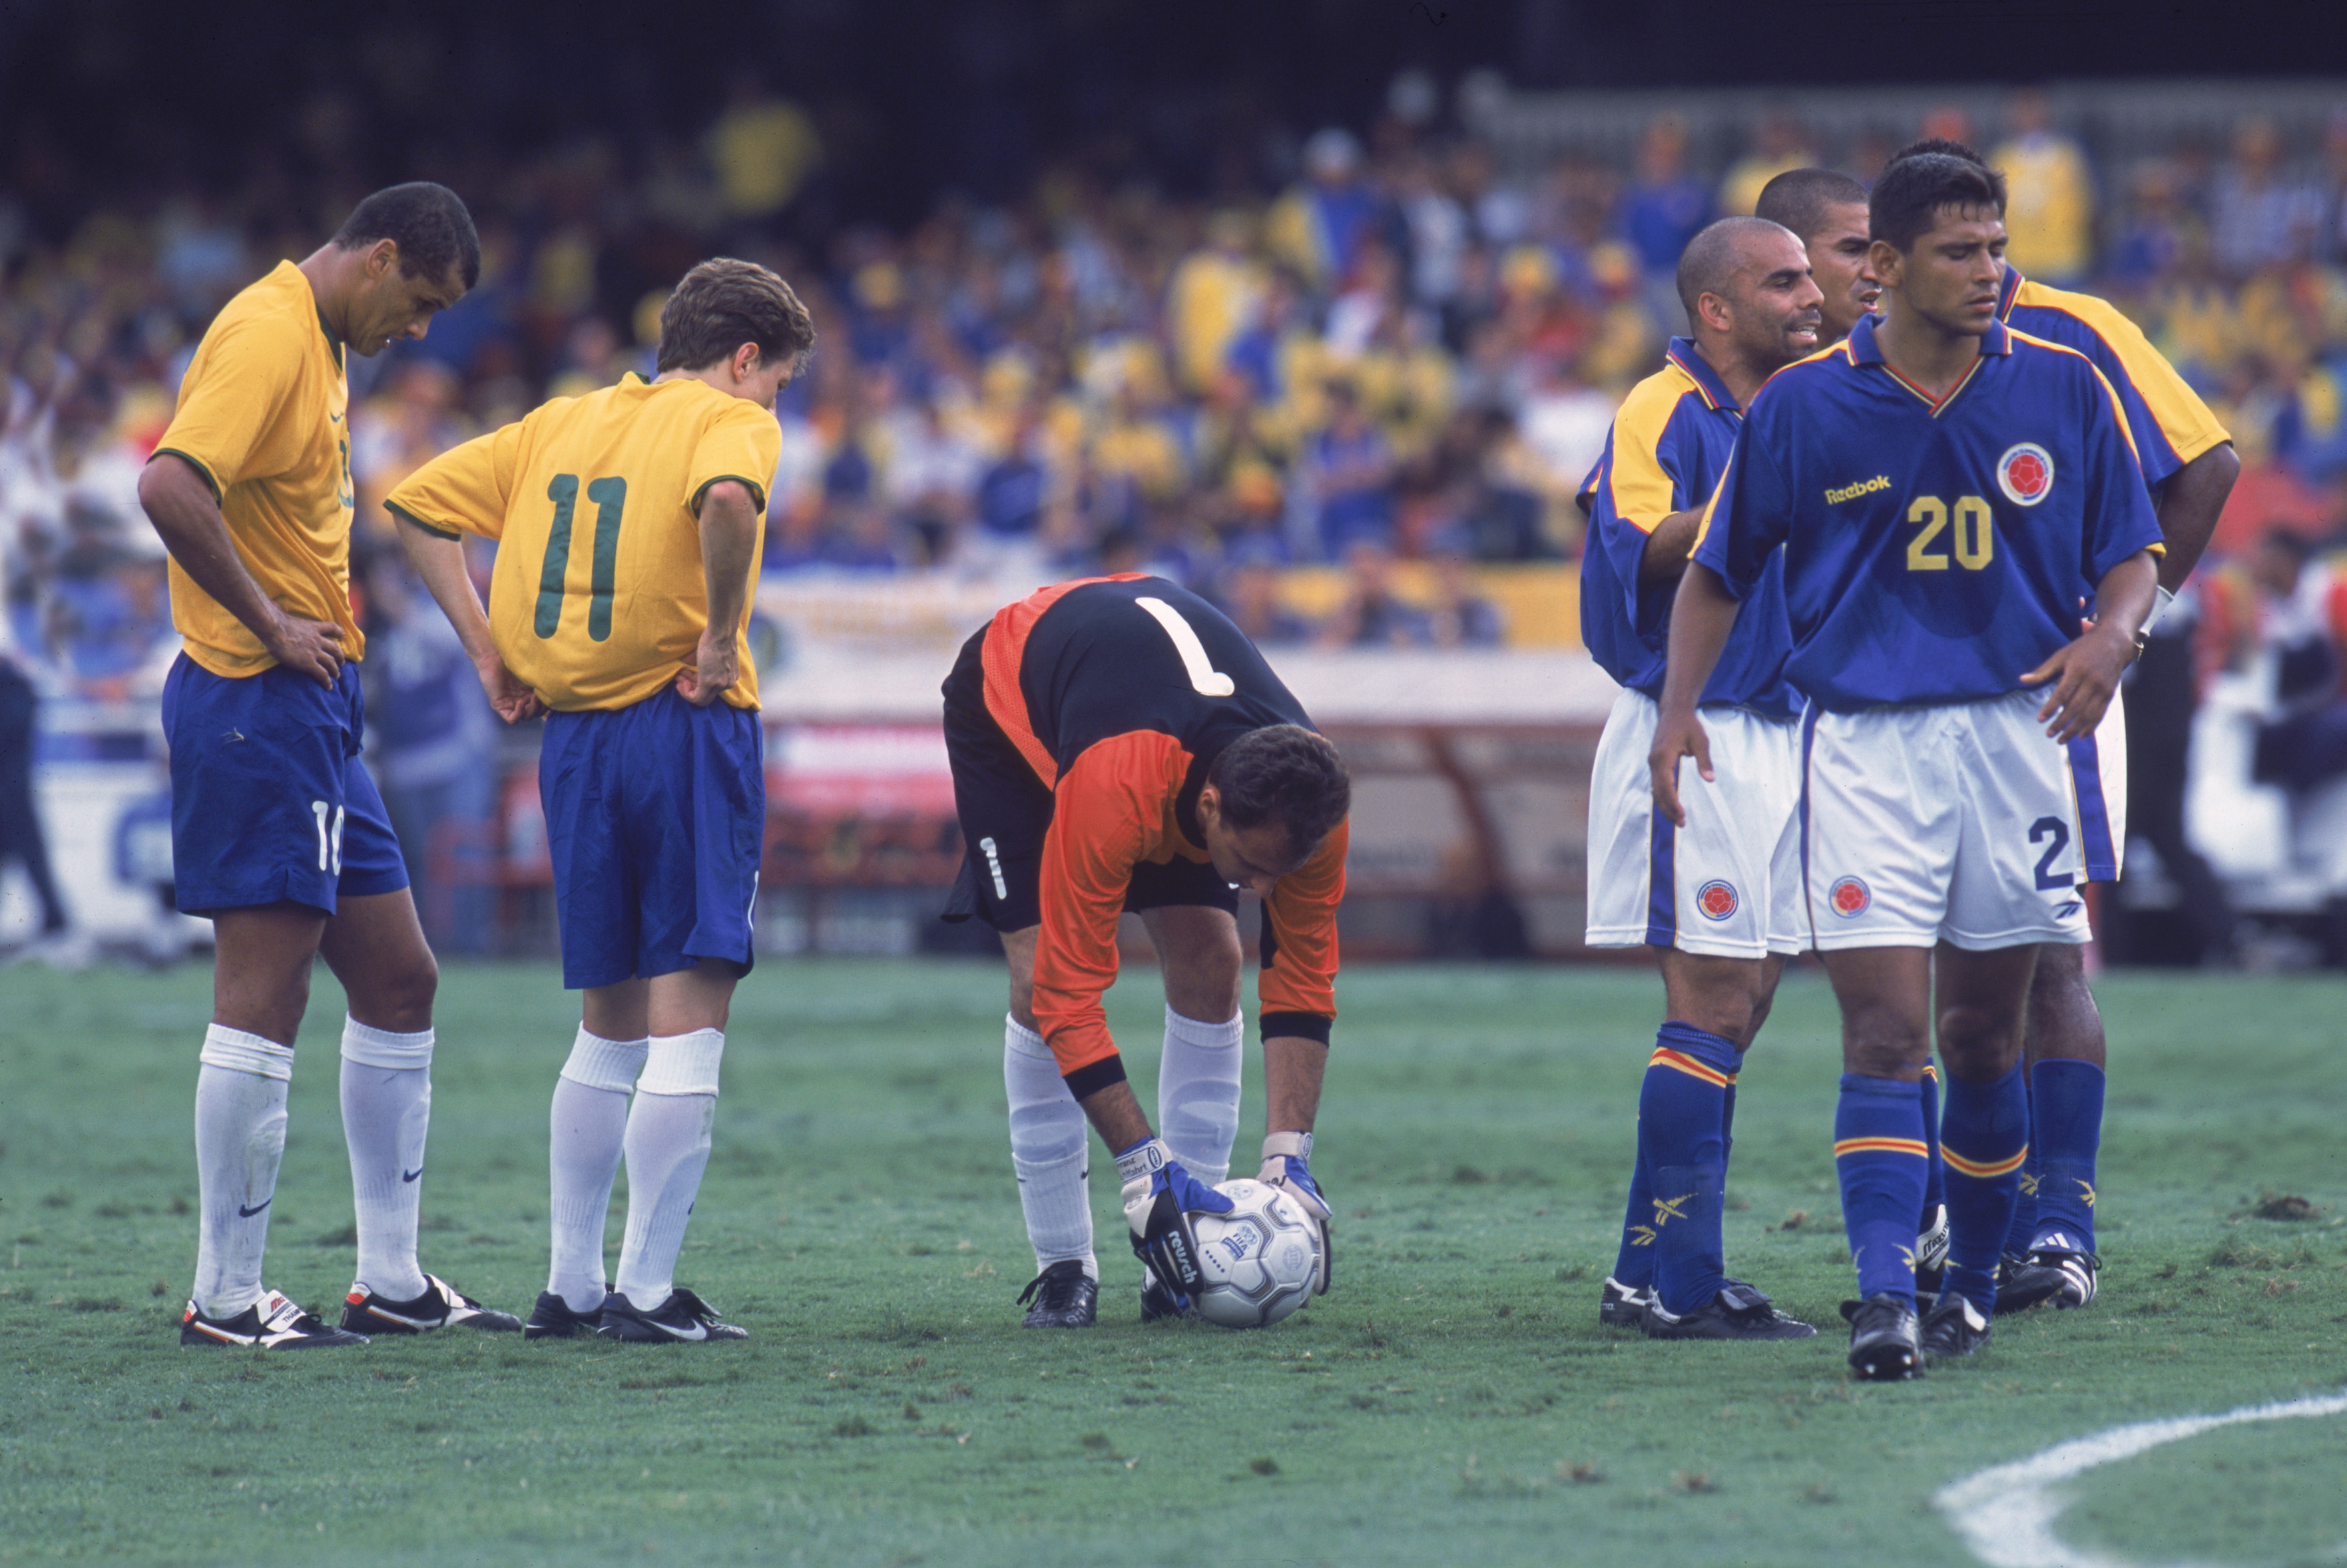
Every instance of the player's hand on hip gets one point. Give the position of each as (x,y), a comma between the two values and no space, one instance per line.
(1283,1166)
(1160,1196)
(1676,737)
(311,648)
(715,667)
(512,699)
(2084,675)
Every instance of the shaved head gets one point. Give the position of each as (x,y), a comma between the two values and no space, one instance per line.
(1713,258)
(1802,199)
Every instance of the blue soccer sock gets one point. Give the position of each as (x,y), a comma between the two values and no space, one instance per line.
(1633,1262)
(2066,1106)
(1935,1185)
(2023,1228)
(1984,1141)
(1879,1154)
(1681,1107)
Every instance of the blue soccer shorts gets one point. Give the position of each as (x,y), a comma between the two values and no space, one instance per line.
(656,815)
(269,801)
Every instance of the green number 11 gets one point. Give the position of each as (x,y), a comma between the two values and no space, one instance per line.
(610,498)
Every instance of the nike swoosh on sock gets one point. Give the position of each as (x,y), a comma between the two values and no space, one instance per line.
(245,1213)
(411,1175)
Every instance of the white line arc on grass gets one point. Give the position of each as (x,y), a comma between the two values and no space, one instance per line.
(2006,1515)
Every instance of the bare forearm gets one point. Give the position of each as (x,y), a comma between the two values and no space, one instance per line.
(1664,557)
(439,562)
(1701,616)
(2123,598)
(1293,1068)
(180,504)
(2190,502)
(729,538)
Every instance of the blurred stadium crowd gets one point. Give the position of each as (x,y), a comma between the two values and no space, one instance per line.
(1397,350)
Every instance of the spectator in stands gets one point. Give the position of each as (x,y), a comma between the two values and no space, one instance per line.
(1777,145)
(1318,225)
(1666,206)
(2049,219)
(1371,616)
(433,736)
(1351,466)
(1461,616)
(2260,215)
(1250,597)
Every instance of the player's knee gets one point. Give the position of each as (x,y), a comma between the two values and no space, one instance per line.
(1022,1001)
(1978,1043)
(399,997)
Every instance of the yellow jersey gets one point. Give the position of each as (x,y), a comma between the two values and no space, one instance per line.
(262,415)
(598,599)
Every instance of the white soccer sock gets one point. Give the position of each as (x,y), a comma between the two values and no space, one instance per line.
(386,1111)
(588,1120)
(1198,1092)
(1050,1145)
(667,1145)
(239,1139)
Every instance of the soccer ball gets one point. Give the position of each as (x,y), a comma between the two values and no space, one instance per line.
(1259,1259)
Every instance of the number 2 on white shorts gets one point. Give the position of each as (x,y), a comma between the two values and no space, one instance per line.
(1204,679)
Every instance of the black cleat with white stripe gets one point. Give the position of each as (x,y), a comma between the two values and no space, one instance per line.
(272,1323)
(683,1317)
(441,1305)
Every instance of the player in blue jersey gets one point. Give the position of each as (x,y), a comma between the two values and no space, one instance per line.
(1945,490)
(1719,900)
(2190,466)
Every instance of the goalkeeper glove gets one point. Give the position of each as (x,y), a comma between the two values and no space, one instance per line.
(1283,1166)
(1158,1198)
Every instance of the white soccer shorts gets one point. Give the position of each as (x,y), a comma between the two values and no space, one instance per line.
(1961,823)
(1729,883)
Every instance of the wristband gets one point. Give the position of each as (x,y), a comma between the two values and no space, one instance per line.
(1294,1145)
(2160,599)
(1142,1161)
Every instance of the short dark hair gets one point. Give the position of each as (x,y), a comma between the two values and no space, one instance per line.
(1799,199)
(723,303)
(1946,146)
(1287,772)
(1713,256)
(429,223)
(1907,200)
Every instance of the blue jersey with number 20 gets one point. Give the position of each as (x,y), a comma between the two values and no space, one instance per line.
(1935,550)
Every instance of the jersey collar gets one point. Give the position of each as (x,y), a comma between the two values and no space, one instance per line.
(1864,349)
(1683,355)
(2008,292)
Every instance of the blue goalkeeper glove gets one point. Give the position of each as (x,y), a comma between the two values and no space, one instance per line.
(1160,1196)
(1283,1166)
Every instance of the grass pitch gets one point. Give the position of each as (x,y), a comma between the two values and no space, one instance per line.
(1453,1401)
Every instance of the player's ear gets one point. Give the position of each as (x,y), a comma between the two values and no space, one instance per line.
(745,360)
(382,258)
(1886,261)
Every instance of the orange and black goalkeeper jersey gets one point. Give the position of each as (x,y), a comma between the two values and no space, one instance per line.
(1120,692)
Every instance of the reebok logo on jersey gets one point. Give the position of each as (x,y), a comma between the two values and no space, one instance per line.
(2026,474)
(1836,497)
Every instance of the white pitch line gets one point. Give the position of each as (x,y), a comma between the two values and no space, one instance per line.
(2006,1515)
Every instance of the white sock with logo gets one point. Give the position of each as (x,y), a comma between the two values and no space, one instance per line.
(1198,1092)
(586,1127)
(387,1113)
(240,1140)
(1050,1151)
(667,1145)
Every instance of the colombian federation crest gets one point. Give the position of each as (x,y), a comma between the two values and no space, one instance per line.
(2026,474)
(1848,897)
(1715,900)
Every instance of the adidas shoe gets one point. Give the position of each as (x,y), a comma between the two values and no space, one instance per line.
(2023,1283)
(272,1323)
(441,1305)
(552,1318)
(2078,1271)
(1736,1312)
(1159,1302)
(1065,1297)
(1953,1327)
(1621,1305)
(683,1317)
(1885,1346)
(1932,1252)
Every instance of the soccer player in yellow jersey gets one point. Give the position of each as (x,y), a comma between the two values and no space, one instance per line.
(629,524)
(277,832)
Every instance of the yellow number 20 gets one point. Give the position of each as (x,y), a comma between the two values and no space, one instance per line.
(1975,534)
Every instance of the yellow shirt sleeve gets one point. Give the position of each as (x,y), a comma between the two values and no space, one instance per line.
(230,419)
(465,490)
(743,442)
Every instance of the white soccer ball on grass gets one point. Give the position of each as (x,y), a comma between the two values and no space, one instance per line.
(1259,1259)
